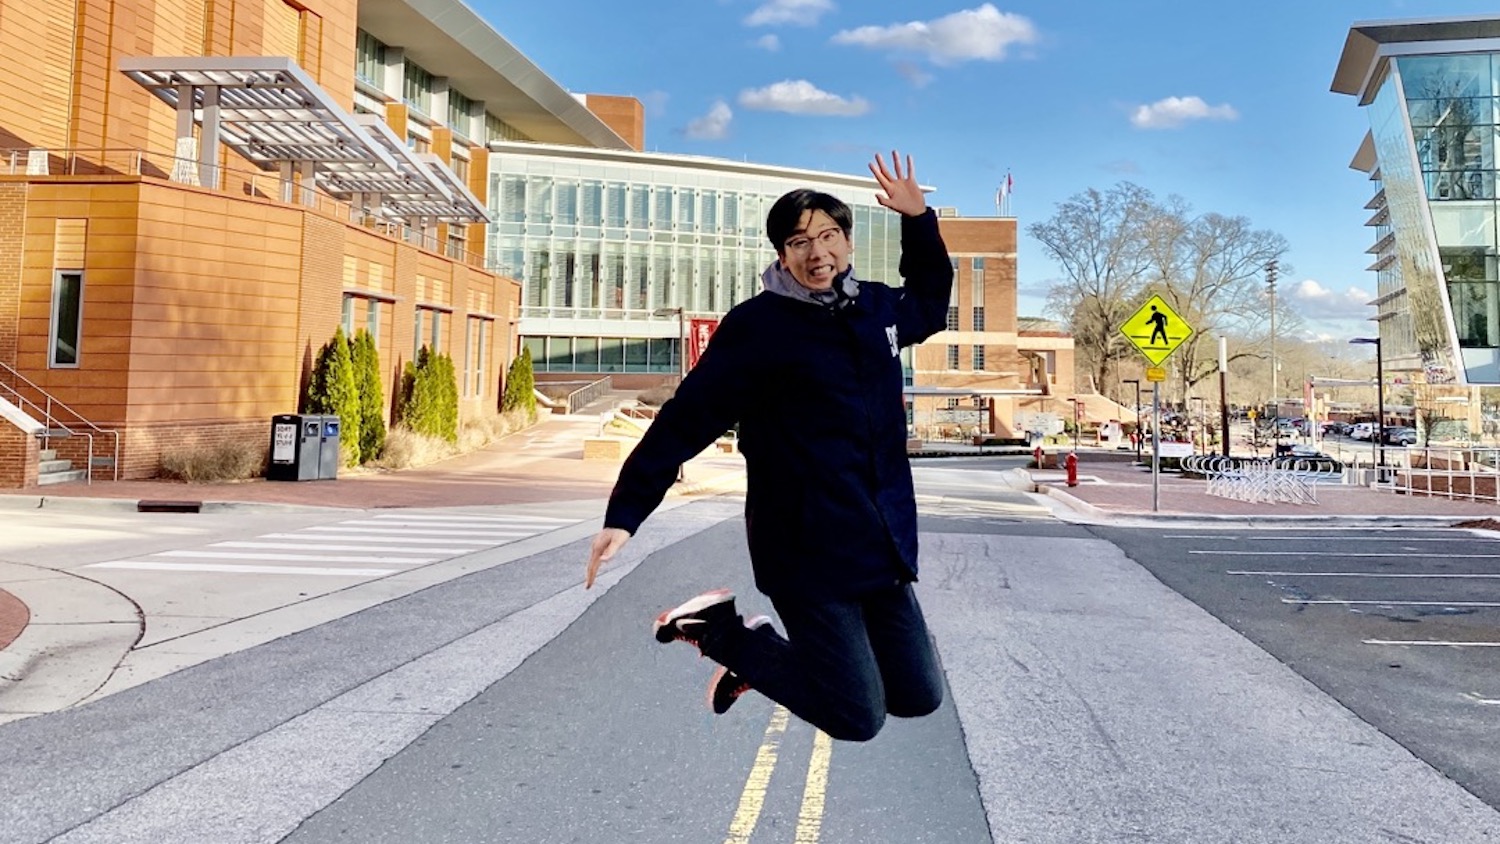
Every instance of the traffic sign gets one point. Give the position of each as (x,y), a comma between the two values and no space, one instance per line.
(1156,330)
(1155,374)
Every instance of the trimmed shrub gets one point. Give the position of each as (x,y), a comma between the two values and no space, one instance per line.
(366,360)
(334,390)
(429,396)
(520,386)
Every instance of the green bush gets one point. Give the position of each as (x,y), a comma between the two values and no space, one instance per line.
(334,390)
(429,396)
(520,386)
(366,359)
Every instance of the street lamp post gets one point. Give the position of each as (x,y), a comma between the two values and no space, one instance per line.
(1379,393)
(1139,431)
(1271,285)
(1075,425)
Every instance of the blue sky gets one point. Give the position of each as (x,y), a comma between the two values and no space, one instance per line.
(1226,105)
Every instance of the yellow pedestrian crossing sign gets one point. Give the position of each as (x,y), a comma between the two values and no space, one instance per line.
(1156,330)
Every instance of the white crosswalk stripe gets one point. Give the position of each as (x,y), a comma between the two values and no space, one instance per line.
(372,546)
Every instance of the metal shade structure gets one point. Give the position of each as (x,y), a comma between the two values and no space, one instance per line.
(274,115)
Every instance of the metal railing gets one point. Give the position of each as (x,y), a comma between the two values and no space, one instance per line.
(106,161)
(1471,474)
(1285,480)
(584,396)
(57,427)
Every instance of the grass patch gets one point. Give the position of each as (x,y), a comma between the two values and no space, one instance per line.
(407,449)
(236,460)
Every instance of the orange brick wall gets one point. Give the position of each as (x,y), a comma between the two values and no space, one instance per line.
(18,458)
(202,311)
(12,227)
(625,115)
(69,53)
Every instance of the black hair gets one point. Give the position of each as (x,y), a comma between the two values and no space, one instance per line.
(786,214)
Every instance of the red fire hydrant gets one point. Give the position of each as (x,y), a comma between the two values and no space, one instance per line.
(1072,465)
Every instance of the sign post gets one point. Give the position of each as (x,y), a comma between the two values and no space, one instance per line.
(1156,331)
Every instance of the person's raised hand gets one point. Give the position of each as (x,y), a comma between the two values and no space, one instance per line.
(901,194)
(607,543)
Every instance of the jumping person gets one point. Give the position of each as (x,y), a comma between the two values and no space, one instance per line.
(811,371)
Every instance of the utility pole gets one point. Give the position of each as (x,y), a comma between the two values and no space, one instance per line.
(1271,285)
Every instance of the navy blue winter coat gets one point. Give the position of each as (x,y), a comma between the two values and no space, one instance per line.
(829,509)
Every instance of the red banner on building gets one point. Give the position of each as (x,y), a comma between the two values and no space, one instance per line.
(699,331)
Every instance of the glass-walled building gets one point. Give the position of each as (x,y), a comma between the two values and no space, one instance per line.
(616,250)
(1432,88)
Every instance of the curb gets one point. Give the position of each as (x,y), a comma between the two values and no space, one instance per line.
(133,505)
(1396,520)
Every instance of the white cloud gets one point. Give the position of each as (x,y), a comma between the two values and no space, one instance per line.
(798,12)
(983,33)
(768,42)
(1318,302)
(1171,112)
(801,97)
(712,126)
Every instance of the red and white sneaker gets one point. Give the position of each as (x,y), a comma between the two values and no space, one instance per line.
(689,620)
(726,687)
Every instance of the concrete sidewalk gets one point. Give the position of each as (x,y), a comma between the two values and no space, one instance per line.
(541,465)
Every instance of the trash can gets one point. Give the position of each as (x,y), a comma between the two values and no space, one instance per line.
(295,445)
(328,448)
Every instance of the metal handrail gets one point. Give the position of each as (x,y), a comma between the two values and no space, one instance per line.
(586,394)
(54,423)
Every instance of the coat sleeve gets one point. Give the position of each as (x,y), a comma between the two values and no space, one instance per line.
(922,309)
(708,402)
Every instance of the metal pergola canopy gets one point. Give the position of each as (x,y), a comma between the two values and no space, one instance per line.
(273,114)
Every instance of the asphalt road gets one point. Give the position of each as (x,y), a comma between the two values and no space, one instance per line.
(1402,626)
(1086,701)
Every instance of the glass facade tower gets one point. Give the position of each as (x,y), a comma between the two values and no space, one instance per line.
(1433,93)
(609,245)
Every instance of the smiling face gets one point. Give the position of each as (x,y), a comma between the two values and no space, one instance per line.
(817,250)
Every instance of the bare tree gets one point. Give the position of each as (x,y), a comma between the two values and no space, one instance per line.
(1096,238)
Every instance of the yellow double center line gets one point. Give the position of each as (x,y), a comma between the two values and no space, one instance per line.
(753,798)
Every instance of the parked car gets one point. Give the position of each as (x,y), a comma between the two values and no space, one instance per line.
(1362,431)
(1308,457)
(1336,429)
(1400,435)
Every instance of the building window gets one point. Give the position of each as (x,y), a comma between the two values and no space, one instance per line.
(369,60)
(952,357)
(458,113)
(978,359)
(67,319)
(476,350)
(363,308)
(976,264)
(458,241)
(952,324)
(460,168)
(427,331)
(416,89)
(979,319)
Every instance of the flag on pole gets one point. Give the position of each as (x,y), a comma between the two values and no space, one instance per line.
(1002,195)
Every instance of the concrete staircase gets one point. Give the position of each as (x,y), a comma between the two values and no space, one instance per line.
(51,470)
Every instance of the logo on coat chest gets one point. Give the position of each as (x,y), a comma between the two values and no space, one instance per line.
(890,336)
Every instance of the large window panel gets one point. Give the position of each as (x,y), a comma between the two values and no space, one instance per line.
(67,319)
(1476,307)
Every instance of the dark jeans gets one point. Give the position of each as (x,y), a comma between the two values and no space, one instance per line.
(844,664)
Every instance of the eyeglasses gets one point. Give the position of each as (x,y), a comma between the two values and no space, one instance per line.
(825,238)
